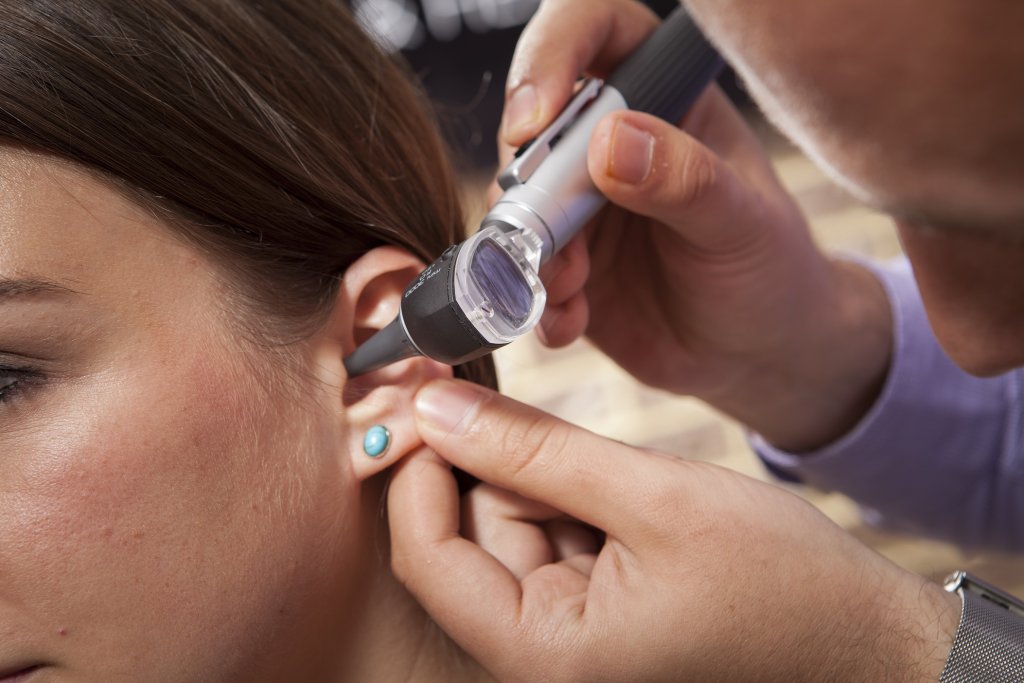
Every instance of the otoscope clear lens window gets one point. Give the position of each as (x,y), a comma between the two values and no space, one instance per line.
(496,283)
(501,279)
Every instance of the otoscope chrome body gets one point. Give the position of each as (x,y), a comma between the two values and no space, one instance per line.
(552,194)
(485,292)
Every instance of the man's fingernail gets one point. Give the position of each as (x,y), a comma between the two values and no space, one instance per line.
(522,112)
(631,153)
(448,406)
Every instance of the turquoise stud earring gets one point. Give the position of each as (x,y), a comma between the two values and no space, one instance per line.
(376,441)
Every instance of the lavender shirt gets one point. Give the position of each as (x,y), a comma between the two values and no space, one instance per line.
(940,453)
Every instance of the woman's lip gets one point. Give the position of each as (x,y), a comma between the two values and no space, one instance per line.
(18,673)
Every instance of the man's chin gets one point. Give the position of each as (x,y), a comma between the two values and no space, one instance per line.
(982,357)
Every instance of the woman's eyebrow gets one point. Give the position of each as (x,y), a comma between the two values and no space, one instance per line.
(24,287)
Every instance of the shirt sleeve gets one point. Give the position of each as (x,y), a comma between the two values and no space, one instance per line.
(940,452)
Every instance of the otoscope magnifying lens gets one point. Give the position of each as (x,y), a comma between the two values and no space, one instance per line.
(499,276)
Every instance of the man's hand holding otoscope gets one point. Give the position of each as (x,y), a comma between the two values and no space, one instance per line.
(486,292)
(703,279)
(704,273)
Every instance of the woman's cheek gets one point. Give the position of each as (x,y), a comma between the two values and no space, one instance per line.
(147,499)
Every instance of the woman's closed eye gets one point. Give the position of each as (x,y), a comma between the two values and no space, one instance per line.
(14,381)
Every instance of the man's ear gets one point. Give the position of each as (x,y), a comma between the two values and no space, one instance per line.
(368,299)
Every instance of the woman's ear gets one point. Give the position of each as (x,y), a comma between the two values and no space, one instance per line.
(368,299)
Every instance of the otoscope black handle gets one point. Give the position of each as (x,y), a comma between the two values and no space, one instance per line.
(669,70)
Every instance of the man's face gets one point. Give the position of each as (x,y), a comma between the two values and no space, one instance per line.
(917,107)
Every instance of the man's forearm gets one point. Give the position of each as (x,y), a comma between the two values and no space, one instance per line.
(817,390)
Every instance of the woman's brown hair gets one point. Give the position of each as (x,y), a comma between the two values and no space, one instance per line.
(274,134)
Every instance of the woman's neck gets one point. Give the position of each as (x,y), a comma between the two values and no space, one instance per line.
(396,640)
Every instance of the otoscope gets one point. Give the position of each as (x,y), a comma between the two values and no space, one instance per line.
(485,292)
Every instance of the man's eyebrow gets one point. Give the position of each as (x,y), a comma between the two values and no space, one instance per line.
(15,288)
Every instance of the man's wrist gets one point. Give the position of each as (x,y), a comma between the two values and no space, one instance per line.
(913,631)
(819,388)
(931,633)
(897,626)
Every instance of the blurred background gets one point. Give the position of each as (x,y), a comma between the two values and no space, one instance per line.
(460,50)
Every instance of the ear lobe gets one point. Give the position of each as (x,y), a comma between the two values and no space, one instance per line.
(385,398)
(372,288)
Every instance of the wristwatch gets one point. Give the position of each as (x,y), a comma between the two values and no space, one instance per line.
(989,643)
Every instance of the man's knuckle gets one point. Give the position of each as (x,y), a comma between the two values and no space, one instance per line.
(696,175)
(530,441)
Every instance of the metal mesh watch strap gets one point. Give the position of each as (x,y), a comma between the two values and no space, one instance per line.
(989,643)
